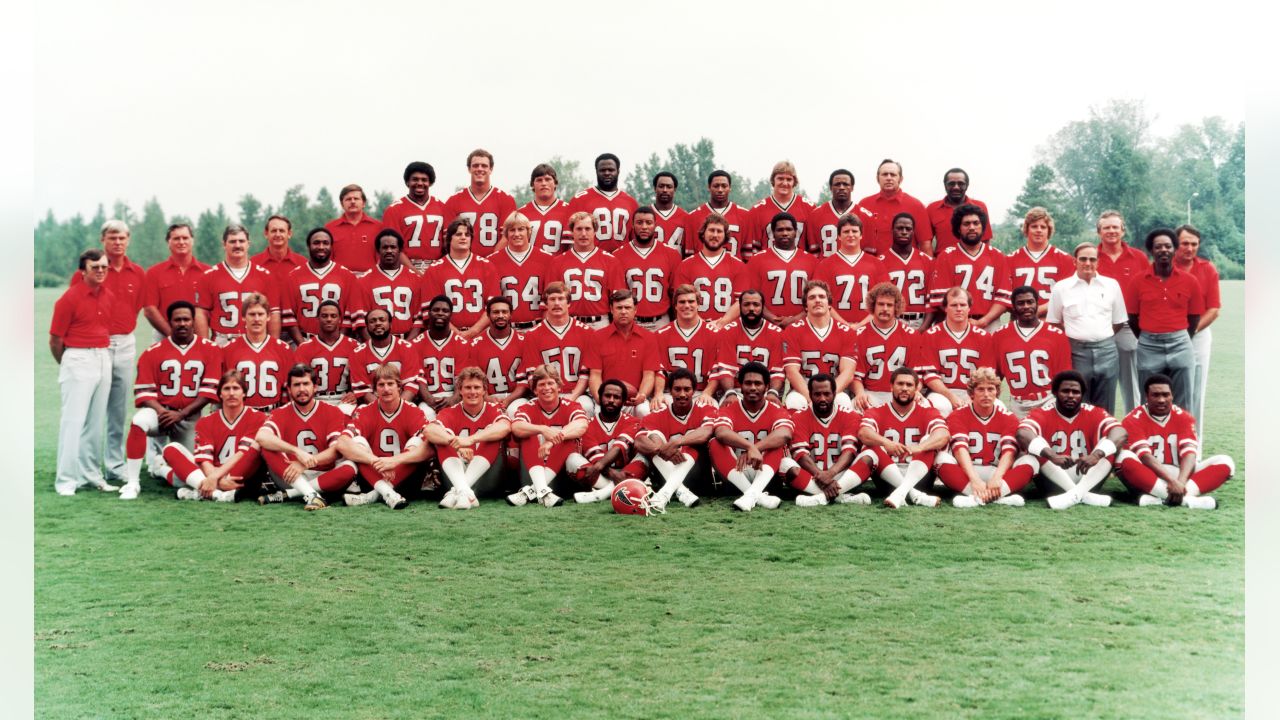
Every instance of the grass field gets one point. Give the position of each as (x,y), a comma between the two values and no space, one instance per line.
(162,609)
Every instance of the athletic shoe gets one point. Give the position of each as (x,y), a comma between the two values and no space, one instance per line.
(588,496)
(315,502)
(768,502)
(450,499)
(65,492)
(188,493)
(1096,499)
(811,500)
(272,497)
(1063,501)
(550,499)
(858,499)
(1200,502)
(521,496)
(130,491)
(743,504)
(226,496)
(965,501)
(395,500)
(466,501)
(353,499)
(687,498)
(926,500)
(103,486)
(1147,500)
(1011,501)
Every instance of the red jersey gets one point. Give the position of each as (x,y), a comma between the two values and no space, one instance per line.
(1075,436)
(753,427)
(612,212)
(911,274)
(984,275)
(548,226)
(499,359)
(368,357)
(1029,360)
(386,434)
(649,273)
(440,361)
(850,277)
(1169,439)
(467,284)
(601,436)
(762,212)
(457,420)
(421,226)
(218,438)
(940,223)
(220,291)
(1041,271)
(520,278)
(824,439)
(486,213)
(909,429)
(331,363)
(740,345)
(670,227)
(667,425)
(953,357)
(174,376)
(397,292)
(719,281)
(985,439)
(312,432)
(564,413)
(781,276)
(353,246)
(821,234)
(818,351)
(565,345)
(264,367)
(877,231)
(739,228)
(305,288)
(166,283)
(696,350)
(881,352)
(587,277)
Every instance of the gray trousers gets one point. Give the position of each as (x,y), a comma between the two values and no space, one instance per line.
(1099,362)
(1169,353)
(124,368)
(1127,346)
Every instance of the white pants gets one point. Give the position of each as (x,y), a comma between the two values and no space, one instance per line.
(1202,343)
(84,377)
(124,368)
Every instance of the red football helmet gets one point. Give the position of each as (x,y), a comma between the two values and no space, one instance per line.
(631,497)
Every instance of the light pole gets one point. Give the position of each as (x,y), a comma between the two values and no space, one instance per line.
(1193,195)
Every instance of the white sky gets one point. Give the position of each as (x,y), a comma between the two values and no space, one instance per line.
(199,105)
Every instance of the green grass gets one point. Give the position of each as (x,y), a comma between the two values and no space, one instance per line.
(162,609)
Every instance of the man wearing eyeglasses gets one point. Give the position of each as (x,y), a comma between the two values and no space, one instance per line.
(1090,308)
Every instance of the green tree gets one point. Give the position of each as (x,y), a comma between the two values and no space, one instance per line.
(691,164)
(209,227)
(1041,189)
(322,210)
(251,213)
(379,203)
(147,244)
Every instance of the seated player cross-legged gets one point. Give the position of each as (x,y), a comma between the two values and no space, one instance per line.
(384,441)
(980,466)
(900,440)
(1158,430)
(1073,442)
(750,440)
(669,440)
(468,438)
(826,439)
(226,458)
(547,429)
(606,446)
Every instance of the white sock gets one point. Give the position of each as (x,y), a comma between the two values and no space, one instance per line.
(294,493)
(916,471)
(848,480)
(1057,476)
(673,474)
(739,480)
(812,488)
(195,479)
(760,482)
(539,481)
(456,471)
(133,470)
(575,462)
(1094,477)
(304,488)
(224,495)
(1193,490)
(384,489)
(475,470)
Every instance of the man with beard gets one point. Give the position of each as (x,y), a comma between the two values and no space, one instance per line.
(668,440)
(718,275)
(816,344)
(780,271)
(909,269)
(611,207)
(418,217)
(383,348)
(900,440)
(974,266)
(320,279)
(225,461)
(747,339)
(329,354)
(481,204)
(950,351)
(646,267)
(1030,352)
(826,439)
(736,219)
(605,447)
(441,352)
(585,268)
(548,215)
(669,219)
(850,272)
(956,184)
(884,345)
(690,343)
(384,440)
(1073,443)
(519,272)
(823,232)
(496,351)
(1165,305)
(467,439)
(390,286)
(462,277)
(980,465)
(750,440)
(782,198)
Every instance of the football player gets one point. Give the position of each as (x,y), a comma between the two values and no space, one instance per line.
(974,266)
(519,272)
(780,270)
(624,351)
(781,198)
(226,459)
(823,228)
(950,351)
(383,348)
(461,276)
(956,184)
(646,267)
(353,231)
(688,343)
(826,439)
(980,466)
(548,215)
(320,279)
(606,446)
(669,219)
(909,269)
(900,440)
(497,351)
(749,338)
(669,440)
(1037,263)
(718,275)
(482,205)
(547,429)
(887,204)
(261,359)
(818,343)
(737,219)
(441,352)
(1030,353)
(389,286)
(560,341)
(884,345)
(222,287)
(329,354)
(384,441)
(851,273)
(611,207)
(586,270)
(750,440)
(418,217)
(468,438)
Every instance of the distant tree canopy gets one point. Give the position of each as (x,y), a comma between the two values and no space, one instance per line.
(1109,161)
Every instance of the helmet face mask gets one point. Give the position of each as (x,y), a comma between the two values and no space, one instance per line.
(631,497)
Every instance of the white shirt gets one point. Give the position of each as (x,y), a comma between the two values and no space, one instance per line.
(1087,310)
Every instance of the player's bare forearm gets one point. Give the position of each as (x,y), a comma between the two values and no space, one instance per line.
(807,464)
(647,382)
(1186,466)
(647,444)
(936,440)
(354,451)
(575,429)
(659,385)
(202,323)
(156,319)
(593,384)
(779,438)
(797,381)
(523,429)
(493,432)
(1157,467)
(269,441)
(730,439)
(992,315)
(295,333)
(845,377)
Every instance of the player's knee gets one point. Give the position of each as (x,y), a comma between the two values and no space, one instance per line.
(146,420)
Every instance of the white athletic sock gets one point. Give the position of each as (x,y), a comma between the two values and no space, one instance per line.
(1093,478)
(294,493)
(575,462)
(383,489)
(133,470)
(812,488)
(1160,489)
(540,482)
(760,482)
(304,488)
(1193,490)
(475,470)
(847,481)
(916,471)
(195,479)
(1004,489)
(1057,476)
(739,480)
(455,470)
(673,474)
(892,475)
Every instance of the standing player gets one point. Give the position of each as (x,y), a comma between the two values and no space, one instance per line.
(825,441)
(225,459)
(974,266)
(669,441)
(382,348)
(747,339)
(442,353)
(624,351)
(718,275)
(688,343)
(956,184)
(851,273)
(320,279)
(885,206)
(222,288)
(1164,307)
(1159,432)
(519,272)
(900,441)
(169,281)
(329,354)
(497,351)
(750,440)
(736,219)
(646,266)
(353,231)
(884,345)
(384,440)
(1073,443)
(390,286)
(175,381)
(464,278)
(1124,264)
(1187,260)
(562,342)
(277,258)
(782,198)
(611,207)
(605,447)
(670,219)
(780,271)
(481,204)
(548,215)
(950,351)
(468,438)
(1030,352)
(418,218)
(585,269)
(909,269)
(547,430)
(298,446)
(980,465)
(818,344)
(823,229)
(1037,263)
(261,359)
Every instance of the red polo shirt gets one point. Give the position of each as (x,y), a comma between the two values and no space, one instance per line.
(940,220)
(877,232)
(1131,263)
(1204,271)
(81,317)
(126,286)
(353,242)
(166,283)
(624,357)
(280,268)
(1162,305)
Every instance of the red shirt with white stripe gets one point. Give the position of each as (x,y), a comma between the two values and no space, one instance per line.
(368,357)
(1040,270)
(740,228)
(849,279)
(1169,439)
(601,436)
(818,350)
(218,438)
(911,274)
(1071,436)
(612,212)
(880,352)
(264,367)
(667,425)
(587,276)
(564,413)
(313,431)
(486,213)
(763,211)
(781,276)
(458,421)
(467,284)
(306,287)
(649,273)
(670,227)
(987,438)
(740,345)
(752,427)
(719,281)
(984,274)
(908,428)
(696,350)
(1029,359)
(498,359)
(397,292)
(822,234)
(386,433)
(174,376)
(521,279)
(952,357)
(221,290)
(331,363)
(824,439)
(548,226)
(421,226)
(565,345)
(440,361)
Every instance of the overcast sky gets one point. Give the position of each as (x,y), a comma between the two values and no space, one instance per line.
(196,106)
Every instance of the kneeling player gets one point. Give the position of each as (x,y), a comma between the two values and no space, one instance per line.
(669,440)
(547,429)
(750,438)
(980,466)
(826,439)
(397,448)
(1157,430)
(900,440)
(1078,441)
(225,455)
(468,438)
